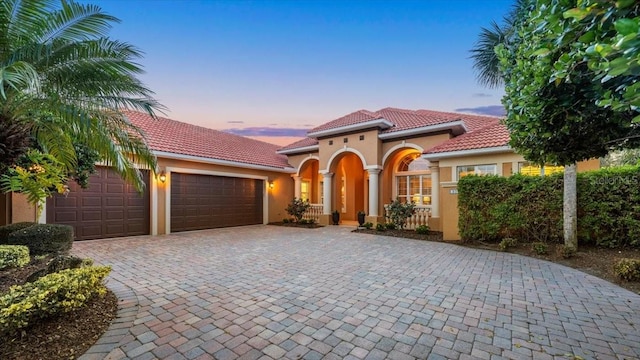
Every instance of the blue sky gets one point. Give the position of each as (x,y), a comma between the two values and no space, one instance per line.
(280,67)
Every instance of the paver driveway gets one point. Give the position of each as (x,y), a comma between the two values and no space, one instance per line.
(274,292)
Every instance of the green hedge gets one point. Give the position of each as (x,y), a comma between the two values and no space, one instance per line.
(13,256)
(50,295)
(8,229)
(43,239)
(529,208)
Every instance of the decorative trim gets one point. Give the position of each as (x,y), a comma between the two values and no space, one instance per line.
(168,155)
(346,149)
(379,123)
(452,125)
(311,157)
(460,153)
(299,150)
(404,144)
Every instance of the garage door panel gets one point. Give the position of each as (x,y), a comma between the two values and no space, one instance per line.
(110,207)
(205,201)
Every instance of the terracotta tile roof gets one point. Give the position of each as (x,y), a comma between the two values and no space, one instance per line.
(356,117)
(181,138)
(492,135)
(402,119)
(300,144)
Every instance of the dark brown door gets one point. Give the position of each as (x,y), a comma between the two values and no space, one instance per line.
(110,207)
(206,202)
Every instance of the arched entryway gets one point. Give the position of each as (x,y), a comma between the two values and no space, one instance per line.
(349,185)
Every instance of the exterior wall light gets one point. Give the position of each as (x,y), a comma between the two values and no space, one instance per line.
(271,185)
(162,177)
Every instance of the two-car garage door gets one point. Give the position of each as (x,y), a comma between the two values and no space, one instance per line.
(208,201)
(112,208)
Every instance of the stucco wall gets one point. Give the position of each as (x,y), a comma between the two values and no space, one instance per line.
(368,148)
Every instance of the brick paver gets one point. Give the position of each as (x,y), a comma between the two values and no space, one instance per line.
(273,292)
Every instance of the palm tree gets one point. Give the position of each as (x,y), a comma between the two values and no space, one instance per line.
(485,60)
(64,82)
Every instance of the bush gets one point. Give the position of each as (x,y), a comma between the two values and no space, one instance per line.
(399,212)
(368,225)
(507,243)
(59,263)
(297,208)
(627,269)
(380,227)
(8,229)
(390,226)
(303,221)
(530,207)
(285,221)
(13,256)
(44,239)
(52,294)
(422,229)
(540,248)
(311,221)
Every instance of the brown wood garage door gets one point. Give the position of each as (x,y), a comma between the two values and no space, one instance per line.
(206,201)
(110,207)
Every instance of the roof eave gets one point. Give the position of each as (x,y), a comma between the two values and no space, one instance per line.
(470,152)
(302,149)
(379,123)
(457,127)
(205,160)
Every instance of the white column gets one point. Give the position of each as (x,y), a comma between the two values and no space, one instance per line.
(296,186)
(373,191)
(435,190)
(326,189)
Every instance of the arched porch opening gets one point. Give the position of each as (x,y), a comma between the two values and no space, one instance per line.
(349,187)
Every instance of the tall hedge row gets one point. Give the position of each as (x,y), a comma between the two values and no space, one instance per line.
(529,208)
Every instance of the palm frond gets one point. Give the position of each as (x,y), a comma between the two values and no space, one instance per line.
(485,60)
(75,22)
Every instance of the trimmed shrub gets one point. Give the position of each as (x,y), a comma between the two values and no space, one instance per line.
(530,207)
(507,243)
(8,229)
(368,225)
(627,269)
(13,256)
(52,294)
(380,227)
(59,263)
(422,229)
(540,248)
(390,226)
(42,239)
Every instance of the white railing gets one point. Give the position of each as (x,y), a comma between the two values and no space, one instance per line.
(313,213)
(420,216)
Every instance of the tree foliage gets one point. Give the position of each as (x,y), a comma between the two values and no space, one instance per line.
(556,94)
(64,82)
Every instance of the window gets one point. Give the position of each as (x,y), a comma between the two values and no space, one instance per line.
(343,195)
(413,180)
(305,189)
(527,168)
(321,192)
(489,169)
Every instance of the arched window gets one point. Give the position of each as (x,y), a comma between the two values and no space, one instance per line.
(413,180)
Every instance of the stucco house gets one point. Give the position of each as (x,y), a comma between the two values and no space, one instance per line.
(358,162)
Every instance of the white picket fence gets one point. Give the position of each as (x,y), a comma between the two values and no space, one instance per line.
(419,217)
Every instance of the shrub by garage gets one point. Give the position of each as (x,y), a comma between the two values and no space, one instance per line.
(12,256)
(52,294)
(6,230)
(43,239)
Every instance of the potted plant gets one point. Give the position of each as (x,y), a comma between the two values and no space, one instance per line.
(361,215)
(335,217)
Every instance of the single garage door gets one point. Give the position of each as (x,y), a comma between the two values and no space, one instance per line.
(110,207)
(206,201)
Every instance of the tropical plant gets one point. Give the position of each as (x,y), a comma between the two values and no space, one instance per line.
(398,212)
(65,82)
(297,208)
